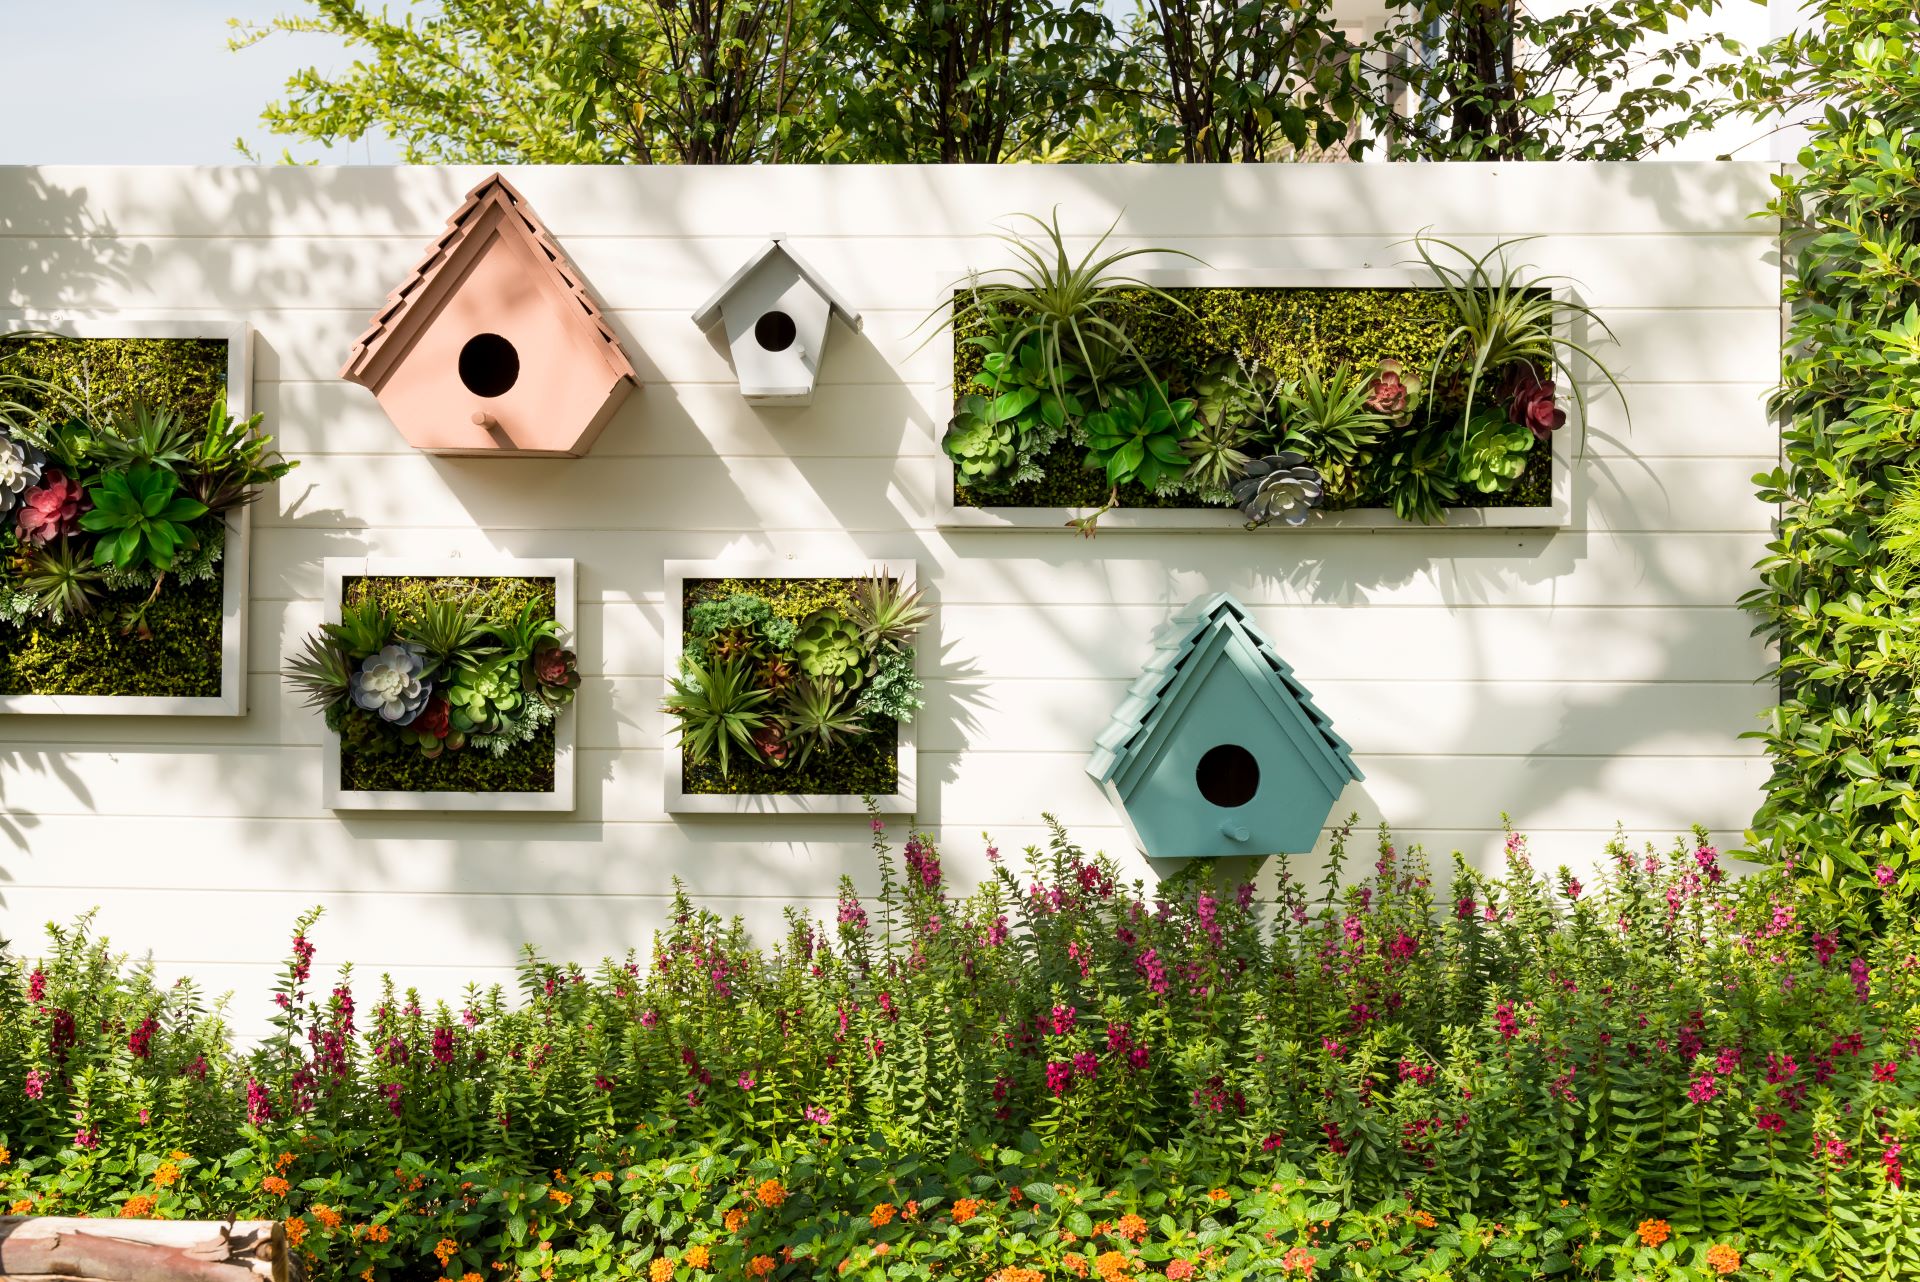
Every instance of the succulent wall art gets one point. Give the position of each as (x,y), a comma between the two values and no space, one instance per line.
(1078,385)
(124,472)
(442,684)
(794,687)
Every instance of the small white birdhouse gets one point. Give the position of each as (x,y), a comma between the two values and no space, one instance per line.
(776,310)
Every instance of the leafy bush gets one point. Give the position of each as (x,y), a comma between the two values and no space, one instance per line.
(1842,804)
(1521,1076)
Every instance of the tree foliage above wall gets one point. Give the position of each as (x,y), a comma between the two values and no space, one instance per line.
(1840,584)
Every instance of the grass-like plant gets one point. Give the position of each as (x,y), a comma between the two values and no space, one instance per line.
(1508,318)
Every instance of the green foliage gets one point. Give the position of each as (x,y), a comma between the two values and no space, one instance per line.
(1494,453)
(817,717)
(104,378)
(740,613)
(888,612)
(1378,1079)
(1836,595)
(93,654)
(1326,416)
(233,460)
(64,584)
(829,647)
(892,691)
(1615,80)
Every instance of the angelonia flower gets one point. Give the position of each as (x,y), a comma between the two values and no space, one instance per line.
(259,1106)
(35,1084)
(1885,876)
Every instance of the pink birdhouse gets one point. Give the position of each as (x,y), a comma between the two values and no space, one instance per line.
(493,345)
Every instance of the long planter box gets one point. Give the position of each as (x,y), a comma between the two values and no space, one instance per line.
(337,570)
(1557,514)
(234,561)
(676,799)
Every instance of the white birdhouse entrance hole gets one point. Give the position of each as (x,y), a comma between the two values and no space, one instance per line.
(774,331)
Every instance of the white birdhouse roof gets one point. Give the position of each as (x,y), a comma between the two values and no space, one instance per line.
(710,310)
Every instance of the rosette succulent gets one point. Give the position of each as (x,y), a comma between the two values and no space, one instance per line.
(51,510)
(1280,487)
(1530,402)
(1395,392)
(432,731)
(484,701)
(1495,451)
(552,673)
(980,444)
(20,468)
(828,647)
(391,682)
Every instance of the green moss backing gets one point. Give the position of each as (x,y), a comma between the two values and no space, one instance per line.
(527,767)
(1287,330)
(183,375)
(870,765)
(90,656)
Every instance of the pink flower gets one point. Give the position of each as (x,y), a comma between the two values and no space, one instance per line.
(745,1081)
(392,1091)
(1574,889)
(1770,1122)
(818,1116)
(1059,1077)
(36,1085)
(1705,1087)
(37,986)
(259,1105)
(1824,947)
(88,1138)
(1267,1145)
(1885,1072)
(1085,1065)
(1885,876)
(140,1040)
(1064,1018)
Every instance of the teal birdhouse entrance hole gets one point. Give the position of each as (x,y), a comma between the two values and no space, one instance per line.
(1218,748)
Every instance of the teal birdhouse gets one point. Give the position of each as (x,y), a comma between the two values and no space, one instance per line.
(1218,748)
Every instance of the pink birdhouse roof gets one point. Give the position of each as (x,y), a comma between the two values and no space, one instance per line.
(398,317)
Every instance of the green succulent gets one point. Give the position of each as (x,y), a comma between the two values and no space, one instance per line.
(1138,437)
(1494,452)
(980,445)
(1023,394)
(719,711)
(448,632)
(233,460)
(144,435)
(1232,392)
(892,689)
(484,700)
(1216,458)
(322,672)
(829,648)
(141,517)
(365,627)
(816,718)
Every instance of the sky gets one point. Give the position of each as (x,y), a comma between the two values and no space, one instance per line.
(150,82)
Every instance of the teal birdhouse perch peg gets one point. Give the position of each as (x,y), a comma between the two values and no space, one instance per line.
(1218,749)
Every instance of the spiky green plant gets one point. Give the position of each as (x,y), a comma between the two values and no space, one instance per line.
(233,460)
(143,434)
(1507,318)
(364,627)
(519,633)
(321,672)
(887,611)
(450,633)
(817,718)
(63,583)
(719,709)
(1326,416)
(1069,305)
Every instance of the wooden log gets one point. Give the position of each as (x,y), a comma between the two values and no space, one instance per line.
(55,1249)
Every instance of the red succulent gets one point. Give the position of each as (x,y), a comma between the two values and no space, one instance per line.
(51,510)
(1530,402)
(1391,393)
(553,666)
(434,719)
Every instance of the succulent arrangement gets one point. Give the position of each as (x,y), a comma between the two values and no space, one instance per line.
(780,681)
(454,671)
(102,505)
(1079,387)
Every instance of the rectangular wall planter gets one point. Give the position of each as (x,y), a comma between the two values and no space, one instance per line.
(1557,514)
(336,572)
(234,560)
(680,802)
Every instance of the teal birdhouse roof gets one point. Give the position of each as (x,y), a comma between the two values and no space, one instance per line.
(1185,651)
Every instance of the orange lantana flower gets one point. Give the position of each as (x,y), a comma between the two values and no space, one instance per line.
(1722,1259)
(1131,1227)
(770,1193)
(881,1215)
(736,1219)
(1112,1266)
(275,1185)
(1654,1232)
(138,1207)
(698,1257)
(759,1266)
(296,1231)
(1424,1219)
(661,1270)
(1076,1265)
(965,1209)
(166,1175)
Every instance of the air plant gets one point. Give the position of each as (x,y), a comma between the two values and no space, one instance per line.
(64,583)
(817,718)
(1068,304)
(1507,320)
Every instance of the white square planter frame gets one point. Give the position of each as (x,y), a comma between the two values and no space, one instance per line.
(337,570)
(677,801)
(1556,514)
(237,334)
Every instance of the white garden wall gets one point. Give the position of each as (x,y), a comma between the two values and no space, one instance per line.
(1574,678)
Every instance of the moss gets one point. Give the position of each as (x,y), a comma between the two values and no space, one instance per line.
(92,656)
(183,375)
(527,767)
(1287,330)
(869,765)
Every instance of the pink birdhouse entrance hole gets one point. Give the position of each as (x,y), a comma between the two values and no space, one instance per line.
(494,345)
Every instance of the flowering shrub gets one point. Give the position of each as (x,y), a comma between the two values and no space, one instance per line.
(1669,1072)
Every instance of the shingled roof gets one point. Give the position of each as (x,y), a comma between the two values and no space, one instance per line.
(493,203)
(1139,715)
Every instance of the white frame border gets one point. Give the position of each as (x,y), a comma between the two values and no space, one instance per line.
(336,570)
(235,560)
(906,753)
(1556,515)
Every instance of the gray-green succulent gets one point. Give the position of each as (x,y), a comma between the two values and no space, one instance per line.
(1280,487)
